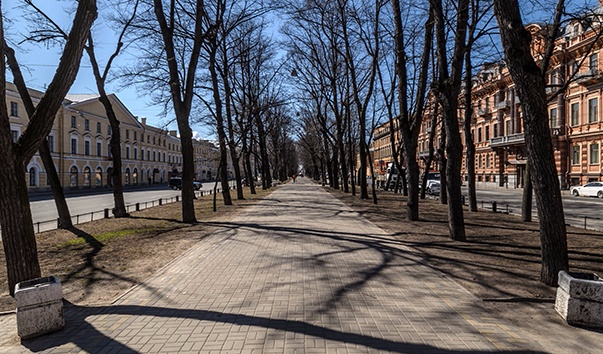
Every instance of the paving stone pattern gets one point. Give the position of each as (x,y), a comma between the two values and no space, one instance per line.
(297,273)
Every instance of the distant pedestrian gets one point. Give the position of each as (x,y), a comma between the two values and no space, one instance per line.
(294,177)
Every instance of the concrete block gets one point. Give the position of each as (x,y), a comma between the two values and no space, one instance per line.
(39,307)
(579,299)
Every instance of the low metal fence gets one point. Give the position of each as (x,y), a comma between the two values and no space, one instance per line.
(583,221)
(47,225)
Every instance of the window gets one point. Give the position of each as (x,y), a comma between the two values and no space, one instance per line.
(50,140)
(479,161)
(594,154)
(127,134)
(14,109)
(487,104)
(73,176)
(127,152)
(142,154)
(575,155)
(135,153)
(127,176)
(154,142)
(593,107)
(99,176)
(154,157)
(135,135)
(87,176)
(148,155)
(488,161)
(576,30)
(135,176)
(15,135)
(87,124)
(99,148)
(73,122)
(33,180)
(148,139)
(575,67)
(109,150)
(487,132)
(479,135)
(73,146)
(98,128)
(87,148)
(164,157)
(553,117)
(109,130)
(495,130)
(593,62)
(575,114)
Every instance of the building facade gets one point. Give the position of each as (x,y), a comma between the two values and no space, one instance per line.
(575,93)
(79,144)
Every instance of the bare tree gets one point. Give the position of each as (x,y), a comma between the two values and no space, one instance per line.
(410,122)
(448,89)
(18,236)
(529,79)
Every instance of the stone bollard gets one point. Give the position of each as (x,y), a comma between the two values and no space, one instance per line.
(106,213)
(580,298)
(494,207)
(39,307)
(160,201)
(137,206)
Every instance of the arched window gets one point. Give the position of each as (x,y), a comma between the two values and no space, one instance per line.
(87,176)
(33,177)
(73,176)
(127,176)
(99,176)
(135,176)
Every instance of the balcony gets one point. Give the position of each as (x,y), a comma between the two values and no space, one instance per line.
(484,112)
(513,139)
(503,105)
(423,154)
(589,77)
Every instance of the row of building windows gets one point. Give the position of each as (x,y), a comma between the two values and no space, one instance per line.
(156,156)
(130,176)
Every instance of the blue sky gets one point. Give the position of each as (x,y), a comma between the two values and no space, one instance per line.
(38,61)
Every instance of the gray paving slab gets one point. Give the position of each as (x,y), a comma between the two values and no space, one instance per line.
(299,272)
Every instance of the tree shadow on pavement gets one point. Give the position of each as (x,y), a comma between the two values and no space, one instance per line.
(89,339)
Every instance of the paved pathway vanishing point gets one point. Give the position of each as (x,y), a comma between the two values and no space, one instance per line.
(299,272)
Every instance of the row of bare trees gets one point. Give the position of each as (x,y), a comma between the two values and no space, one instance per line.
(359,63)
(210,63)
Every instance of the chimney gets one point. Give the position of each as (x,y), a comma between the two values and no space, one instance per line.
(143,120)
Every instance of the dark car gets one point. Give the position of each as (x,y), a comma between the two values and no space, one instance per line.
(176,184)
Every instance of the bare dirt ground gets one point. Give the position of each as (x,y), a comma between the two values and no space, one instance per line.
(499,263)
(98,261)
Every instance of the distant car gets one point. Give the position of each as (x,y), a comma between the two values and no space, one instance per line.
(433,188)
(591,189)
(176,184)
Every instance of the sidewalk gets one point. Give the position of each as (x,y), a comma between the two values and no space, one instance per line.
(297,273)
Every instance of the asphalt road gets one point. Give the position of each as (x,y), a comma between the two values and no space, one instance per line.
(578,210)
(87,205)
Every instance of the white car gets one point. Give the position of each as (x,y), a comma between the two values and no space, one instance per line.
(591,189)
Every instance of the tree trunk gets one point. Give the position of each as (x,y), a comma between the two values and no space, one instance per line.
(526,198)
(443,168)
(56,187)
(530,84)
(469,144)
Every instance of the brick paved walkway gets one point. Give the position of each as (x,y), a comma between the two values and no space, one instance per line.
(297,273)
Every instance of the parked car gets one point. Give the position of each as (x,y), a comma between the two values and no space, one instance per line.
(591,189)
(176,184)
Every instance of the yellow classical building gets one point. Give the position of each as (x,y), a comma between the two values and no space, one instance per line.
(79,144)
